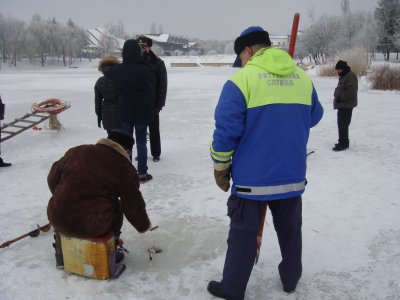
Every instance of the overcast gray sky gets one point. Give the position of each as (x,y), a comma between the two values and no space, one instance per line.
(205,19)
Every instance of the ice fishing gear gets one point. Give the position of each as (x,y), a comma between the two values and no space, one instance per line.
(120,243)
(153,251)
(33,233)
(153,228)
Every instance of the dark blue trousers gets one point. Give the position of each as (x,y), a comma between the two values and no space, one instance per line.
(141,143)
(245,218)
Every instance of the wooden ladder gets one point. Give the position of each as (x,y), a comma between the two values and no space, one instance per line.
(19,125)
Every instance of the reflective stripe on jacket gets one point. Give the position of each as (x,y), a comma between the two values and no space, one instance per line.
(263,118)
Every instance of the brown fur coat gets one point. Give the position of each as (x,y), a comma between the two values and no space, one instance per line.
(87,183)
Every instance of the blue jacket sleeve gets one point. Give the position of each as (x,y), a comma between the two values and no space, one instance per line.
(317,110)
(230,116)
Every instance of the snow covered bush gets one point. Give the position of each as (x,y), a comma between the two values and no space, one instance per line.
(327,70)
(385,78)
(357,59)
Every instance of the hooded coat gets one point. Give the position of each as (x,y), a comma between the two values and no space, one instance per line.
(136,86)
(90,185)
(262,124)
(106,99)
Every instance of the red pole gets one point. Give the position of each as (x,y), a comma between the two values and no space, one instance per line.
(293,35)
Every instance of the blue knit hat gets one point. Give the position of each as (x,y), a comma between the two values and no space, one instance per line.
(251,36)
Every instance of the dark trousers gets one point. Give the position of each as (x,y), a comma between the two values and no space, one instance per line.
(155,140)
(343,122)
(245,218)
(141,143)
(117,223)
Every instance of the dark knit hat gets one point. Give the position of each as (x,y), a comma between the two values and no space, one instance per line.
(341,65)
(251,36)
(121,137)
(144,41)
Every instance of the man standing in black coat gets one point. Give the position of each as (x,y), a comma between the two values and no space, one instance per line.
(345,99)
(135,83)
(158,67)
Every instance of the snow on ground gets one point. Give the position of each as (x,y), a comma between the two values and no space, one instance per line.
(351,232)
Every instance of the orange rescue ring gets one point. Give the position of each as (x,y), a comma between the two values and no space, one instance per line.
(51,106)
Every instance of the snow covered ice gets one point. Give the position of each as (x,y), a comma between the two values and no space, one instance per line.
(351,228)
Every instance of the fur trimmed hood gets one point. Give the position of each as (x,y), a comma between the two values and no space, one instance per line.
(106,64)
(108,61)
(117,147)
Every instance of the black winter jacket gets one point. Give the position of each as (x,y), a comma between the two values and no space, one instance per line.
(106,100)
(158,67)
(135,82)
(345,95)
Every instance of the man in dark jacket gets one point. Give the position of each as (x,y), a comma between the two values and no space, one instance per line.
(158,67)
(93,186)
(345,99)
(106,96)
(135,84)
(2,110)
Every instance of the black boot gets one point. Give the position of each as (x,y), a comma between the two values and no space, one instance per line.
(119,255)
(4,164)
(289,290)
(214,287)
(339,147)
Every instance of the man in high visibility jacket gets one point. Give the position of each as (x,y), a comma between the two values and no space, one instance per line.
(262,124)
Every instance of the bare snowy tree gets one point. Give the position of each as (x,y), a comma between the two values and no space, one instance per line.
(17,40)
(368,36)
(37,39)
(319,39)
(4,37)
(77,40)
(116,30)
(12,38)
(351,25)
(345,5)
(153,28)
(160,29)
(54,38)
(108,41)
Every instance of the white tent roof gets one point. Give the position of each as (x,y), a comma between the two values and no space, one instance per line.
(96,34)
(161,38)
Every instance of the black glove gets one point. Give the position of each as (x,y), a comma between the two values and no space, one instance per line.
(222,175)
(99,121)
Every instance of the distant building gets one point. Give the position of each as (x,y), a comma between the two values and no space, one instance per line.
(173,45)
(280,41)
